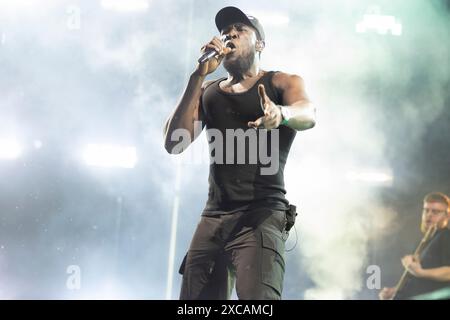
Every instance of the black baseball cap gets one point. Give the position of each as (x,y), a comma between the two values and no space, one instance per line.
(229,15)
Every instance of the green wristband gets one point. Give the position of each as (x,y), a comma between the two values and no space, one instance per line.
(284,122)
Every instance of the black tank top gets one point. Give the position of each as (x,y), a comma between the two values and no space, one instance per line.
(236,186)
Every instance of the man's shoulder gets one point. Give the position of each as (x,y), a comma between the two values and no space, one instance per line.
(207,83)
(446,233)
(442,237)
(282,79)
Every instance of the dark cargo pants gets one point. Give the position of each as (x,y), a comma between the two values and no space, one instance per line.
(246,248)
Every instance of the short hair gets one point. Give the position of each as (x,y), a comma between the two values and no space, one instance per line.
(437,197)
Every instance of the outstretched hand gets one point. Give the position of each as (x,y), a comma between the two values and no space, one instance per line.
(272,114)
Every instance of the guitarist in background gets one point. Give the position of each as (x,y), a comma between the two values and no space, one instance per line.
(432,271)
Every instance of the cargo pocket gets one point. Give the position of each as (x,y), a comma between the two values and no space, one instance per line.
(273,265)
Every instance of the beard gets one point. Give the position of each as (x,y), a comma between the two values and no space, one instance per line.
(240,65)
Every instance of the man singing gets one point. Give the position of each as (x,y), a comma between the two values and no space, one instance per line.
(240,236)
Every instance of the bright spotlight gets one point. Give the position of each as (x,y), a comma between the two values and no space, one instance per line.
(272,18)
(109,156)
(125,5)
(373,21)
(17,4)
(9,149)
(382,177)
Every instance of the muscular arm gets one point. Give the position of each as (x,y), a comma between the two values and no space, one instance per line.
(187,111)
(303,112)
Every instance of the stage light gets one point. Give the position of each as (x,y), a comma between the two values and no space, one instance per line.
(9,149)
(381,177)
(272,18)
(125,5)
(373,21)
(108,156)
(17,4)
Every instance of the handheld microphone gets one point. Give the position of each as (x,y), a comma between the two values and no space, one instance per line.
(210,53)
